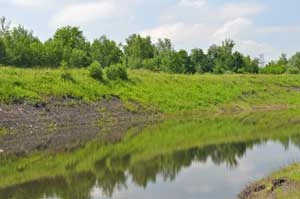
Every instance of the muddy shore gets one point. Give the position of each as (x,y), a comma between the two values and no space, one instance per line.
(65,124)
(269,188)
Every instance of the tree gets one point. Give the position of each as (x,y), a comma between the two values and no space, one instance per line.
(163,52)
(294,61)
(2,51)
(53,53)
(199,60)
(106,52)
(4,26)
(21,47)
(273,68)
(72,44)
(137,49)
(293,66)
(179,62)
(164,46)
(276,67)
(283,61)
(184,60)
(237,62)
(251,66)
(213,54)
(226,57)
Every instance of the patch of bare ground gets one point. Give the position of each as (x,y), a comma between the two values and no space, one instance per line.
(269,189)
(65,124)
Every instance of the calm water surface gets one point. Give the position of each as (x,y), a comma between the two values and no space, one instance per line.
(210,171)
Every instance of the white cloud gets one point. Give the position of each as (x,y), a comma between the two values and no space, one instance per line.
(234,10)
(279,29)
(254,49)
(185,35)
(192,3)
(82,13)
(233,29)
(31,3)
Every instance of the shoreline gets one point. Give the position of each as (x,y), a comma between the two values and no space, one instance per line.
(282,184)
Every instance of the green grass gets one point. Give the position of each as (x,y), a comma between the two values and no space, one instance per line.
(155,146)
(291,172)
(165,92)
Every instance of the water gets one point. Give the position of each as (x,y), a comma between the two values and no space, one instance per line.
(187,169)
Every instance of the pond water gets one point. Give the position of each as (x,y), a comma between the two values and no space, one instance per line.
(207,158)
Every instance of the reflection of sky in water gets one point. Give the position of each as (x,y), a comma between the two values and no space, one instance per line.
(209,181)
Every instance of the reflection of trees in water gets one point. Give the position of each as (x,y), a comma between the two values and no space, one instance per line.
(111,173)
(77,186)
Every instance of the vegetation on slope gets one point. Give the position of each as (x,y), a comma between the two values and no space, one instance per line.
(165,92)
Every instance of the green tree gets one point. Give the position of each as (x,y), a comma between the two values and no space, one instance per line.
(163,52)
(220,58)
(22,47)
(237,62)
(53,53)
(4,26)
(283,60)
(72,44)
(185,60)
(179,62)
(294,61)
(2,51)
(251,66)
(276,67)
(137,49)
(106,52)
(199,61)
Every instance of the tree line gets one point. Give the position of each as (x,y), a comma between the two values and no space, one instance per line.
(69,48)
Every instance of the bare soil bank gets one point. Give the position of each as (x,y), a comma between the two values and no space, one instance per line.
(269,189)
(66,124)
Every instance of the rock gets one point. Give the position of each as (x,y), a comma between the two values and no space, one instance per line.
(278,182)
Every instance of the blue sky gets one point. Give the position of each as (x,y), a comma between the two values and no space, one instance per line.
(270,27)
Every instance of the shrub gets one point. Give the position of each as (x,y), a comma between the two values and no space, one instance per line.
(96,71)
(115,72)
(151,64)
(293,70)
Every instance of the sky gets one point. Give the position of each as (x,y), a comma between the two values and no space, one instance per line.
(268,27)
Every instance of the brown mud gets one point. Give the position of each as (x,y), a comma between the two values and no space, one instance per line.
(268,189)
(65,124)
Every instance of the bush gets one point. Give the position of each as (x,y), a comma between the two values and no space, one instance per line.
(293,70)
(115,72)
(151,64)
(96,71)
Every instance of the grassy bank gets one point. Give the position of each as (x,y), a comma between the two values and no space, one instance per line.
(165,92)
